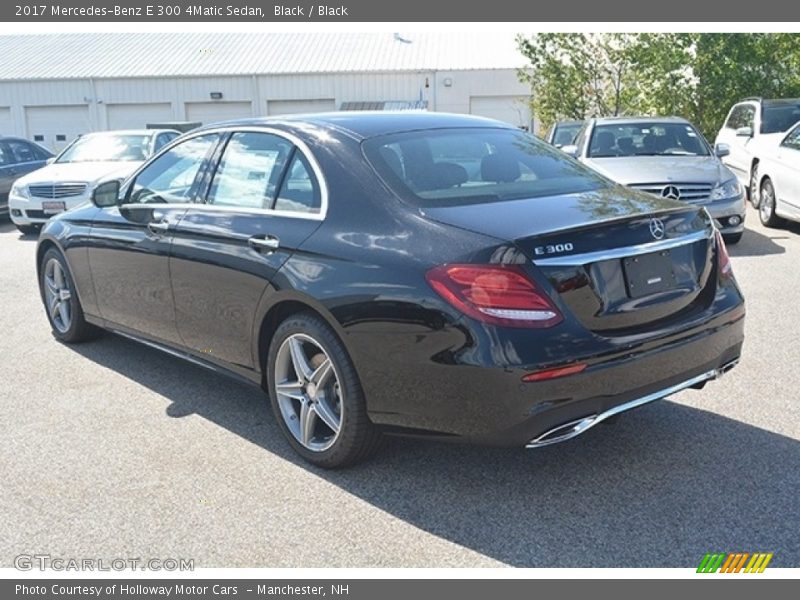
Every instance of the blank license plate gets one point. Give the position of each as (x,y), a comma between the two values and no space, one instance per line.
(649,273)
(52,208)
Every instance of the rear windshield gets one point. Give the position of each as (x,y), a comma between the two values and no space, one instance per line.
(646,139)
(779,117)
(451,167)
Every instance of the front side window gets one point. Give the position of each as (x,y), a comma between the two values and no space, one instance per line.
(646,139)
(451,167)
(107,147)
(565,133)
(249,171)
(23,152)
(736,117)
(170,178)
(300,190)
(793,139)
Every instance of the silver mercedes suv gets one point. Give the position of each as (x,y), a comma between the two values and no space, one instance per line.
(665,156)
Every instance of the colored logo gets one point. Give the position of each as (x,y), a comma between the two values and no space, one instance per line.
(735,562)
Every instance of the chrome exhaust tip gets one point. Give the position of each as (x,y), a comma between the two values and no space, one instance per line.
(567,431)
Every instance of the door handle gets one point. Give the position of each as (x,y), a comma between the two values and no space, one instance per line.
(158,227)
(268,243)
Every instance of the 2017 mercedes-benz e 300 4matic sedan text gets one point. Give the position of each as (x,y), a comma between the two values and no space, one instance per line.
(408,273)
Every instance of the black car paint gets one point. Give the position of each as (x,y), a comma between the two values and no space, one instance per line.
(425,368)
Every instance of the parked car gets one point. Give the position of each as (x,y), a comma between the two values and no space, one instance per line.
(350,265)
(563,133)
(751,123)
(69,179)
(668,157)
(17,157)
(779,179)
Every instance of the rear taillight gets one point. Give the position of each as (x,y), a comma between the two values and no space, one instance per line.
(723,259)
(500,295)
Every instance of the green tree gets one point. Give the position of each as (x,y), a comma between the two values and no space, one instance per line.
(695,75)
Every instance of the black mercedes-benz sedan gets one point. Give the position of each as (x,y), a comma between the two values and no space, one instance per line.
(407,273)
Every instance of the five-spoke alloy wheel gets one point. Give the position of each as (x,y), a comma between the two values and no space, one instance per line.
(60,300)
(316,394)
(308,390)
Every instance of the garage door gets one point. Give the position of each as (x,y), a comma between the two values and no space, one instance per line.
(6,126)
(295,107)
(137,116)
(210,112)
(55,126)
(510,109)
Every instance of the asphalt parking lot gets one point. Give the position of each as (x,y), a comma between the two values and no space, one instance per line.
(112,449)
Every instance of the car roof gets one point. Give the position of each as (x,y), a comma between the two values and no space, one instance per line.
(365,124)
(568,123)
(632,120)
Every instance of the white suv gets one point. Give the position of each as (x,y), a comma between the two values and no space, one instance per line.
(750,124)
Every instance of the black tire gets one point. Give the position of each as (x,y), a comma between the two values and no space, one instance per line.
(732,238)
(358,438)
(754,188)
(77,330)
(28,229)
(766,209)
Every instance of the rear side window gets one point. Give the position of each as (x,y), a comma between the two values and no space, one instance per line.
(450,167)
(779,117)
(249,171)
(300,189)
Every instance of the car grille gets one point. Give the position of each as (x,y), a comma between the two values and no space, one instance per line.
(36,214)
(689,192)
(58,190)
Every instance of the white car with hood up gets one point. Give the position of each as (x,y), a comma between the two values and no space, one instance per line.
(68,180)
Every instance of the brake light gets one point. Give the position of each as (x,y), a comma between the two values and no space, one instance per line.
(500,295)
(723,258)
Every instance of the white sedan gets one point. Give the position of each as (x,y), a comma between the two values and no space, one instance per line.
(67,181)
(779,180)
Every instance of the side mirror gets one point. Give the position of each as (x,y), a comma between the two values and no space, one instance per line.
(570,149)
(722,150)
(106,194)
(744,132)
(50,160)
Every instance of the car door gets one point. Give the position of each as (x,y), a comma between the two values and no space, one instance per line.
(263,200)
(787,186)
(742,115)
(129,251)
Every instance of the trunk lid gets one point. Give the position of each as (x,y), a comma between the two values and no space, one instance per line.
(621,261)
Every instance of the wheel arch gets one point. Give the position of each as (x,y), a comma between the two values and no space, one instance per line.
(276,309)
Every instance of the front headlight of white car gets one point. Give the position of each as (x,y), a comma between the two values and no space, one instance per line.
(19,191)
(727,189)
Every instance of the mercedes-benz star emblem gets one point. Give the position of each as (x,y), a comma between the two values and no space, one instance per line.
(657,228)
(671,191)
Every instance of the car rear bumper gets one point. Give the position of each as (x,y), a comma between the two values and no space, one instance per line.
(493,405)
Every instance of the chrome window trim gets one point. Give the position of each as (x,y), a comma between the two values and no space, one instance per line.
(573,260)
(293,139)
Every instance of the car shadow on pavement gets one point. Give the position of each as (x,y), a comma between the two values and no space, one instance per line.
(659,488)
(755,243)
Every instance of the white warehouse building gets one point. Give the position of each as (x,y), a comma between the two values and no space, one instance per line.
(55,87)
